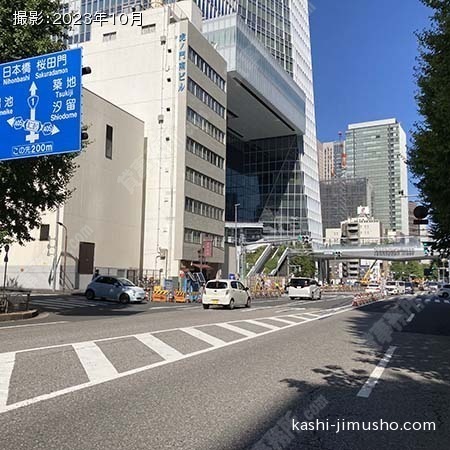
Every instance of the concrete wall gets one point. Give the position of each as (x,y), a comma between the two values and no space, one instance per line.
(104,209)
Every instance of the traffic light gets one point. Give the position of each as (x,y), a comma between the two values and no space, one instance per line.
(344,270)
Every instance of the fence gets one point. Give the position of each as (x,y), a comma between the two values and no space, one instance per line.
(14,300)
(266,286)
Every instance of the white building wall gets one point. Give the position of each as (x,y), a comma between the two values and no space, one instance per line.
(104,209)
(141,73)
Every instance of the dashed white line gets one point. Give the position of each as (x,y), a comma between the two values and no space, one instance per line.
(212,340)
(96,365)
(263,324)
(366,390)
(277,319)
(237,329)
(34,325)
(160,347)
(7,361)
(411,317)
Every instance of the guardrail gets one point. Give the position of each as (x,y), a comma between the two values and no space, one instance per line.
(13,300)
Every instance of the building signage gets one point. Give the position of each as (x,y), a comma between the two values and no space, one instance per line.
(406,251)
(182,62)
(207,248)
(40,105)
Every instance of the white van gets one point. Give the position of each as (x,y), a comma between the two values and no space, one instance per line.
(395,287)
(304,288)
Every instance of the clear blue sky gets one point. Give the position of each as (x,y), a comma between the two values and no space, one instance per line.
(363,57)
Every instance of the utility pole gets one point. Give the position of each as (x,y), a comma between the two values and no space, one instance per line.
(65,256)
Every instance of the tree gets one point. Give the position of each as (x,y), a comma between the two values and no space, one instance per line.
(402,269)
(30,186)
(304,261)
(429,155)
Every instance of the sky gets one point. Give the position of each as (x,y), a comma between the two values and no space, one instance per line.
(363,61)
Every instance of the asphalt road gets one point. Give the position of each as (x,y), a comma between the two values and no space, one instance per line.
(189,378)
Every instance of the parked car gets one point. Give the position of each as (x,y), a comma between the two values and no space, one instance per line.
(304,288)
(227,293)
(114,288)
(444,291)
(373,288)
(409,288)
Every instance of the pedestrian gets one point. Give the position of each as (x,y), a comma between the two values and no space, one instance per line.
(96,274)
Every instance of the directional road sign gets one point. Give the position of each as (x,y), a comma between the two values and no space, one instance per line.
(40,105)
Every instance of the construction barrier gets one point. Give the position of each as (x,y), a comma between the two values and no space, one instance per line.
(364,299)
(160,294)
(180,296)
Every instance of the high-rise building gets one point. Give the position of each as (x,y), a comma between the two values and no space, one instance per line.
(272,169)
(292,180)
(377,151)
(341,197)
(330,157)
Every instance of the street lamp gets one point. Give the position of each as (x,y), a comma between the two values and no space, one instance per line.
(5,260)
(65,255)
(236,206)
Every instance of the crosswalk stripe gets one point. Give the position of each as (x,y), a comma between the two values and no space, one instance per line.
(160,347)
(95,363)
(263,324)
(297,317)
(215,342)
(237,329)
(7,361)
(428,300)
(310,314)
(289,322)
(446,301)
(306,319)
(437,301)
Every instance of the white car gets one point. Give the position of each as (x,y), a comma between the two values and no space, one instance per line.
(395,287)
(113,288)
(227,293)
(304,288)
(373,288)
(444,291)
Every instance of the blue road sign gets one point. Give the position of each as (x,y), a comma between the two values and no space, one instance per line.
(40,105)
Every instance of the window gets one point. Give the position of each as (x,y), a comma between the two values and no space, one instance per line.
(203,96)
(234,285)
(200,122)
(203,209)
(146,29)
(109,142)
(204,181)
(44,232)
(206,68)
(109,36)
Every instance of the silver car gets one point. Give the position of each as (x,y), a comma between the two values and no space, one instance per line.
(113,288)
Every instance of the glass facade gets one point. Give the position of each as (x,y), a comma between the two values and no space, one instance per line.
(377,151)
(264,176)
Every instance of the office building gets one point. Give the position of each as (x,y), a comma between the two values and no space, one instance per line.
(341,197)
(377,151)
(166,73)
(331,157)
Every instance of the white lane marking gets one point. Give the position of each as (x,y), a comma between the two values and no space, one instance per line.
(95,363)
(428,300)
(366,390)
(263,324)
(79,387)
(437,301)
(237,329)
(306,319)
(34,325)
(164,350)
(289,322)
(212,340)
(446,301)
(310,314)
(298,317)
(7,361)
(411,317)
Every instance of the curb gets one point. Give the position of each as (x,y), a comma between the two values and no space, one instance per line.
(22,315)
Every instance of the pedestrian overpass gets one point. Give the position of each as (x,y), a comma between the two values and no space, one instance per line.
(405,248)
